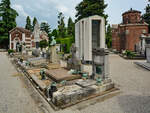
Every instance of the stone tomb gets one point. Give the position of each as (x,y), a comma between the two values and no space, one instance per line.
(90,35)
(146,64)
(68,95)
(61,74)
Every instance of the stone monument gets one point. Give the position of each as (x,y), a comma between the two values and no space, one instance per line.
(73,62)
(90,35)
(53,51)
(140,47)
(100,63)
(146,64)
(36,34)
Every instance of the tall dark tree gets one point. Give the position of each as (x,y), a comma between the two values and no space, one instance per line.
(45,27)
(7,19)
(71,27)
(54,33)
(109,36)
(34,22)
(61,25)
(8,15)
(88,8)
(146,16)
(28,23)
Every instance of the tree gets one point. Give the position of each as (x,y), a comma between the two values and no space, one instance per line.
(45,27)
(34,22)
(109,36)
(28,24)
(61,25)
(7,20)
(54,33)
(43,44)
(146,16)
(71,27)
(88,8)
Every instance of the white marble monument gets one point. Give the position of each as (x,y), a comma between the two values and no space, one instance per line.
(89,34)
(36,34)
(141,46)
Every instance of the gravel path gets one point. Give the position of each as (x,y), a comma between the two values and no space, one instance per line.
(14,97)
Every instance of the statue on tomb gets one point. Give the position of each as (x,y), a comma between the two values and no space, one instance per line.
(53,51)
(53,42)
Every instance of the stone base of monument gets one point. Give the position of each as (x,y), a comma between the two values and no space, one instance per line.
(38,61)
(82,90)
(63,63)
(145,65)
(87,68)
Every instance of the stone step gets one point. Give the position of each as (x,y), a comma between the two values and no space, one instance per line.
(144,65)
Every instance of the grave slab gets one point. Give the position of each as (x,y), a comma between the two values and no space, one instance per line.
(85,83)
(61,74)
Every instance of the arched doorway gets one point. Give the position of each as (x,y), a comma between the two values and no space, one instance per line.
(18,47)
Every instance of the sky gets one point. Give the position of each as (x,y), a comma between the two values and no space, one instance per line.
(47,10)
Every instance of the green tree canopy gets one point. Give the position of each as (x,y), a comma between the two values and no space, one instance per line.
(34,22)
(109,36)
(8,17)
(28,24)
(7,21)
(146,15)
(71,27)
(43,44)
(45,27)
(54,33)
(88,8)
(61,25)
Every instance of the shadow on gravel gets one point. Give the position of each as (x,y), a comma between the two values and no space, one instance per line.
(134,104)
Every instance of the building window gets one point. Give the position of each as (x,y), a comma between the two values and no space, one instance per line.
(127,32)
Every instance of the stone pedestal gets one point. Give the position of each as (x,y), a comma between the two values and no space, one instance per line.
(87,68)
(100,63)
(53,55)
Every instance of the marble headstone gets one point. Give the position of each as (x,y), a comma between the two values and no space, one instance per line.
(148,53)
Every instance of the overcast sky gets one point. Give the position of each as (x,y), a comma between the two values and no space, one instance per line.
(47,10)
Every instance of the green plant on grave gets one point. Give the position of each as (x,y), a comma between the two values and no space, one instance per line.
(43,44)
(65,43)
(129,54)
(10,51)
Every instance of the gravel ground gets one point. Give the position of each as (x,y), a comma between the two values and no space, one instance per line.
(14,97)
(133,81)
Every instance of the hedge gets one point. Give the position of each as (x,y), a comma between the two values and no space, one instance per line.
(65,41)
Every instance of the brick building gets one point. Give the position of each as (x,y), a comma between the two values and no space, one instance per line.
(22,37)
(19,36)
(126,35)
